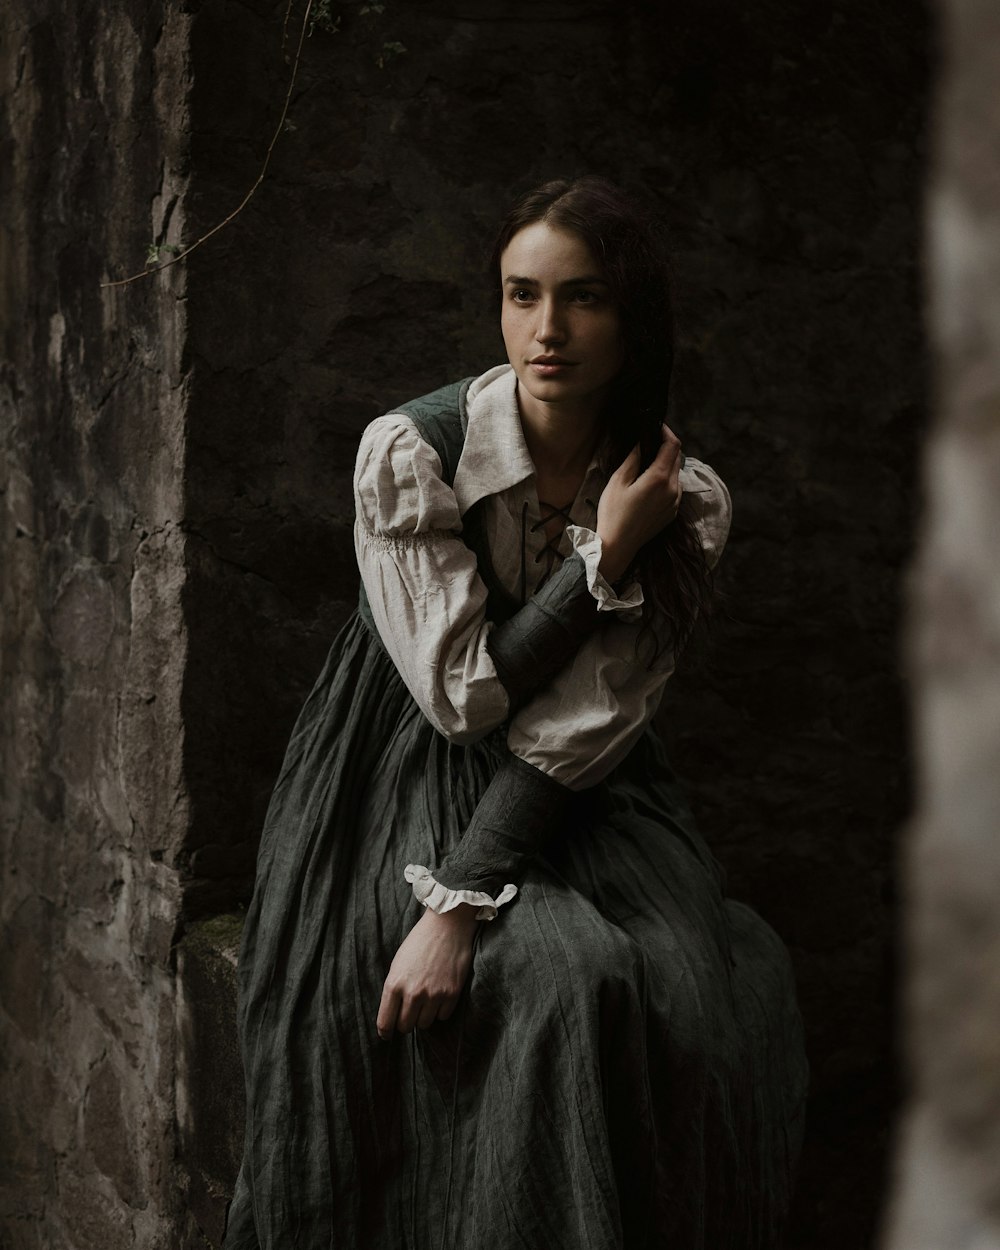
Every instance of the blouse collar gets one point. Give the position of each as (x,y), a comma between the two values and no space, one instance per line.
(495,456)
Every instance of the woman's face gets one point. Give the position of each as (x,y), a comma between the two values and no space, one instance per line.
(561,328)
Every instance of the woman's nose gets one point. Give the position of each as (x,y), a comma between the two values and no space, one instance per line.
(551,328)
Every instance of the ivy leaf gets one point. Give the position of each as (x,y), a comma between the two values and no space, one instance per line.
(323,18)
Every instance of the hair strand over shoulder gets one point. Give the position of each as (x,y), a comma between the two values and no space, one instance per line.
(671,567)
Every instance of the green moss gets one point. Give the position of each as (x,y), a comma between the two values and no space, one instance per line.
(219,934)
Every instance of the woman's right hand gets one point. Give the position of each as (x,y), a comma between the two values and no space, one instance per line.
(634,507)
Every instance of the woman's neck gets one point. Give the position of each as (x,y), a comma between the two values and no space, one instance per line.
(561,440)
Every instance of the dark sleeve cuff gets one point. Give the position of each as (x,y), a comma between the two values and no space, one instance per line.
(519,809)
(530,648)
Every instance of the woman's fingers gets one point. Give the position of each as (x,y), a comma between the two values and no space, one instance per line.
(388,1012)
(407,1019)
(447,1008)
(669,454)
(402,1014)
(629,468)
(429,1012)
(668,463)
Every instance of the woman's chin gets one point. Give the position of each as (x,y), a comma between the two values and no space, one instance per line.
(562,390)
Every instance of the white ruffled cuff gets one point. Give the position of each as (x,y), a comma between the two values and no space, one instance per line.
(440,899)
(587,544)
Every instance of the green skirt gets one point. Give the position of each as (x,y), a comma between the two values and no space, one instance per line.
(624,1071)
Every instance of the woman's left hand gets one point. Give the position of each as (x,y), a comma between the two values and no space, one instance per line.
(428,972)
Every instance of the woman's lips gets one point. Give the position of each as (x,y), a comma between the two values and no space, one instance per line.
(550,369)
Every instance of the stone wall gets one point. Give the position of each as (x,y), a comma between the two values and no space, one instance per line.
(94,805)
(783,144)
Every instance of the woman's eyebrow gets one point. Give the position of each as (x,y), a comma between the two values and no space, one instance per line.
(586,280)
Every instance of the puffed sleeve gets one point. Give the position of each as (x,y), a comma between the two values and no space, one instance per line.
(426,597)
(588,718)
(709,505)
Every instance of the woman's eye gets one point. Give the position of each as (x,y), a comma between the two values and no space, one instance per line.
(520,296)
(586,297)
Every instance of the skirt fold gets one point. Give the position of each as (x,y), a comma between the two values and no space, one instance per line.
(624,1070)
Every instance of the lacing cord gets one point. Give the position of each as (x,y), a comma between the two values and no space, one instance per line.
(551,548)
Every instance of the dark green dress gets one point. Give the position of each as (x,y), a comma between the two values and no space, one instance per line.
(625,1068)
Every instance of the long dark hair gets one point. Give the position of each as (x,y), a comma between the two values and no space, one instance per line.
(672,568)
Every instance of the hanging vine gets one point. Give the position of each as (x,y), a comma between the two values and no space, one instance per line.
(317,16)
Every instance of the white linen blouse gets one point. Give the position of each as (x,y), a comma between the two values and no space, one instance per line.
(429,602)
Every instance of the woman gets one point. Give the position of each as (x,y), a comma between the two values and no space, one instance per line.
(558,1033)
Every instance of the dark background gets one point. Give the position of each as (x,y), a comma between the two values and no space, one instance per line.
(784,145)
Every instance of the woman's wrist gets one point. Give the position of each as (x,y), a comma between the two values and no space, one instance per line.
(614,561)
(463,916)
